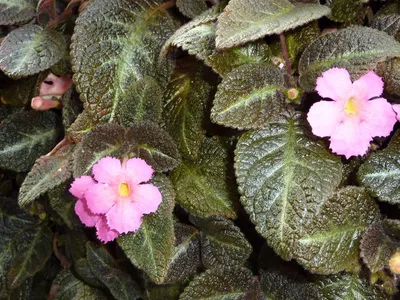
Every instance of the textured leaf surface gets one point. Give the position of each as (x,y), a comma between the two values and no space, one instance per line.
(191,8)
(350,12)
(47,173)
(16,11)
(151,247)
(381,172)
(357,49)
(330,241)
(115,44)
(118,282)
(222,243)
(24,137)
(249,97)
(221,283)
(204,187)
(244,21)
(29,50)
(389,23)
(390,72)
(379,243)
(283,176)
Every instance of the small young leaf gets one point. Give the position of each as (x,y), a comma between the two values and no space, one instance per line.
(356,48)
(204,187)
(16,11)
(25,136)
(221,283)
(249,97)
(118,282)
(283,177)
(150,248)
(47,173)
(330,240)
(29,50)
(381,173)
(222,243)
(242,22)
(191,8)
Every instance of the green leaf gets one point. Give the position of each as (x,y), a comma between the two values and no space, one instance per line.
(163,292)
(379,243)
(284,176)
(358,49)
(16,11)
(30,249)
(118,282)
(390,72)
(222,243)
(329,241)
(150,248)
(381,173)
(85,273)
(186,254)
(70,288)
(71,108)
(205,186)
(350,12)
(389,23)
(191,8)
(115,44)
(241,22)
(249,97)
(47,173)
(221,283)
(25,136)
(348,287)
(29,50)
(185,110)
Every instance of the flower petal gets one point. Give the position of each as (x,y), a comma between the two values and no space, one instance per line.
(107,170)
(368,86)
(335,84)
(124,217)
(100,198)
(351,138)
(325,116)
(138,170)
(104,233)
(80,185)
(379,117)
(146,198)
(85,215)
(396,108)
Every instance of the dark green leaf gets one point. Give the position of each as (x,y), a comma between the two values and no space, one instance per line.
(72,106)
(150,248)
(47,173)
(205,187)
(221,283)
(118,282)
(163,292)
(329,242)
(381,172)
(222,243)
(16,11)
(390,72)
(25,136)
(84,272)
(191,8)
(283,177)
(115,44)
(389,23)
(358,49)
(249,97)
(241,22)
(29,50)
(350,12)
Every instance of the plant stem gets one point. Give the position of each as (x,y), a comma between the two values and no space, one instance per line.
(285,54)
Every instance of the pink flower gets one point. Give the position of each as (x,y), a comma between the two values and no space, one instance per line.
(351,119)
(116,200)
(396,108)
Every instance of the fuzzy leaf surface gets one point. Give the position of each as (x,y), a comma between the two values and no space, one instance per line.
(249,97)
(191,8)
(16,11)
(151,247)
(115,44)
(389,23)
(283,177)
(25,136)
(244,21)
(390,72)
(29,50)
(358,49)
(381,172)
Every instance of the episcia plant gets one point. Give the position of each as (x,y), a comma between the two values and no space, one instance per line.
(199,149)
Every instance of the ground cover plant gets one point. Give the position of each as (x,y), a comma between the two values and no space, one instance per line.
(199,149)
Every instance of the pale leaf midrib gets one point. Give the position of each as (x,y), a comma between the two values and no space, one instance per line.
(329,235)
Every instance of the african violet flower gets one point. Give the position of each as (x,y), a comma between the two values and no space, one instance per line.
(115,200)
(351,119)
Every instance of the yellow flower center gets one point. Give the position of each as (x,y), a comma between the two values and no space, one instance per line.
(123,189)
(351,106)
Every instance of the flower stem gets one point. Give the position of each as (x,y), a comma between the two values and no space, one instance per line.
(285,53)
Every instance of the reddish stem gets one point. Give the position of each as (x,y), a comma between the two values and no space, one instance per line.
(285,53)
